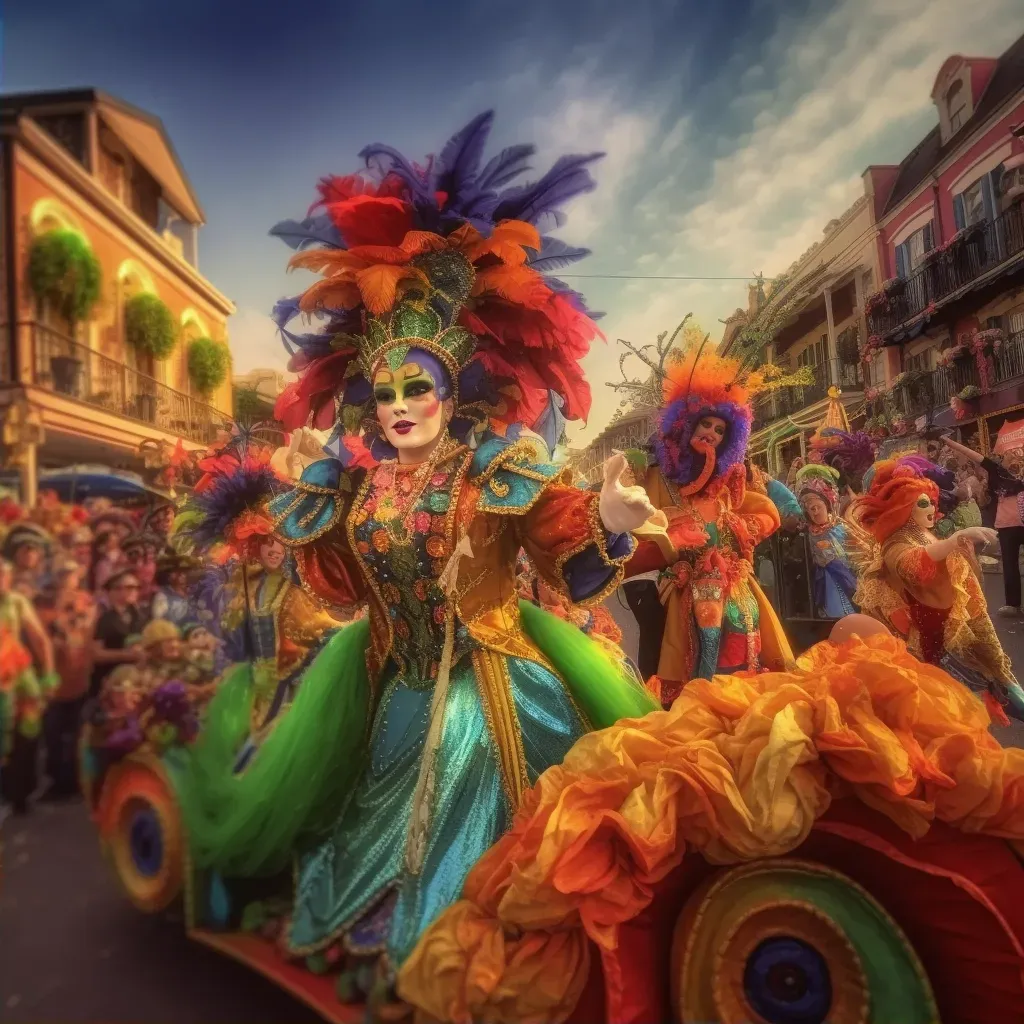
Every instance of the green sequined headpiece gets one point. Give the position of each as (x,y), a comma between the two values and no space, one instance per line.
(424,319)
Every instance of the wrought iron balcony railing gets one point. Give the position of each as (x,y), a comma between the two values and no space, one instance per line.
(942,273)
(785,402)
(73,369)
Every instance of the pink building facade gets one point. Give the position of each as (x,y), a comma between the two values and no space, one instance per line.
(946,330)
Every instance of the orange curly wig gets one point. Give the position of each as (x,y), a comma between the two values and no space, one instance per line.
(889,503)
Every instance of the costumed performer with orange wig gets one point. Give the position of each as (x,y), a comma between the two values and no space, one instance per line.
(929,590)
(718,619)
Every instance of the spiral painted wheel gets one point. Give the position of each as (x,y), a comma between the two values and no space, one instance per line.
(140,826)
(791,942)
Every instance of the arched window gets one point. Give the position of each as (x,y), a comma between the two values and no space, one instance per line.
(192,326)
(956,106)
(50,215)
(133,279)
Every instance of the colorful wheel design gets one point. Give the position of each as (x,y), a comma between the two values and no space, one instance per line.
(791,942)
(140,826)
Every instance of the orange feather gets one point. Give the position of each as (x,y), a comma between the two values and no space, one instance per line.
(519,285)
(379,285)
(330,293)
(325,260)
(508,242)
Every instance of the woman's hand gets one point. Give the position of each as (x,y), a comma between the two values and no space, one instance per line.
(622,509)
(975,535)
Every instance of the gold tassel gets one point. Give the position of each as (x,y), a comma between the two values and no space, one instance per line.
(423,797)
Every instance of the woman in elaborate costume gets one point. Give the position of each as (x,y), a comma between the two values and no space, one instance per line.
(717,617)
(817,487)
(450,343)
(927,589)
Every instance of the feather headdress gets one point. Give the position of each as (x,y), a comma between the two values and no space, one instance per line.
(228,505)
(822,481)
(849,452)
(456,243)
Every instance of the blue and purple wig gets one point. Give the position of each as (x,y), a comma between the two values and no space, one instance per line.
(698,386)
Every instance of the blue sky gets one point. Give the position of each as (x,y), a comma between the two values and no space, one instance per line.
(735,130)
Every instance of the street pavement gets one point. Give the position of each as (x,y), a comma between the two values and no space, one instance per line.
(74,951)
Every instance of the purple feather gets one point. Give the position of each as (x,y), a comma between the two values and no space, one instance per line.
(568,178)
(383,160)
(501,169)
(318,230)
(555,254)
(315,344)
(456,168)
(226,499)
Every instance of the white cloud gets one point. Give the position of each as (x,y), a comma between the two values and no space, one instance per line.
(843,86)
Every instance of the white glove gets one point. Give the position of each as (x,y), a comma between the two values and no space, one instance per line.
(622,509)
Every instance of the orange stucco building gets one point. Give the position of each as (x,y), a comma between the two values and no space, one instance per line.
(84,161)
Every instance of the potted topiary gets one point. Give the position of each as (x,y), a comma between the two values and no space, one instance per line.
(208,363)
(64,275)
(149,329)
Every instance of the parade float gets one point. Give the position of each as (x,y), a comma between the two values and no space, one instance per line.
(835,840)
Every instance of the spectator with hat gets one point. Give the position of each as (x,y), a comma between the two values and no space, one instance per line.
(26,547)
(122,621)
(172,599)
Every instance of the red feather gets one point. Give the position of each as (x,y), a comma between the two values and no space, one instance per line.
(337,189)
(371,220)
(314,391)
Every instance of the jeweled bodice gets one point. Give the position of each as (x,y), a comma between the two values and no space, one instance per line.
(827,543)
(402,527)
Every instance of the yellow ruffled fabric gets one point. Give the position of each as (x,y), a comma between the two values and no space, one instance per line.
(740,768)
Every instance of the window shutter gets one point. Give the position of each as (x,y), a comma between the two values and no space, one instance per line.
(958,213)
(994,178)
(902,260)
(988,199)
(929,237)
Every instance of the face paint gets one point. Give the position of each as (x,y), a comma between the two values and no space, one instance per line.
(710,431)
(409,410)
(924,512)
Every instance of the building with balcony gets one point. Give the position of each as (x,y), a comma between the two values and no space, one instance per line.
(84,162)
(813,317)
(256,393)
(631,428)
(948,323)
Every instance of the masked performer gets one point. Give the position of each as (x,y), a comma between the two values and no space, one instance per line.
(927,589)
(275,625)
(834,581)
(449,344)
(717,617)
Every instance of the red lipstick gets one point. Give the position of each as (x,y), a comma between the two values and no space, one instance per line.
(403,427)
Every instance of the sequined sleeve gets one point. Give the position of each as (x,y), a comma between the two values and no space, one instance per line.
(564,537)
(912,564)
(310,521)
(302,624)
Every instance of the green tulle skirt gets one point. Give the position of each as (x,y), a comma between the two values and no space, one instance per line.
(333,783)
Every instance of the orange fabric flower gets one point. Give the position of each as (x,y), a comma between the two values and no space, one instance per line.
(381,541)
(737,770)
(435,546)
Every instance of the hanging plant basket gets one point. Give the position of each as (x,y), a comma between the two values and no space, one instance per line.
(149,325)
(64,273)
(208,363)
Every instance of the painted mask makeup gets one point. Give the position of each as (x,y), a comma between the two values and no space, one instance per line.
(924,512)
(409,409)
(709,432)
